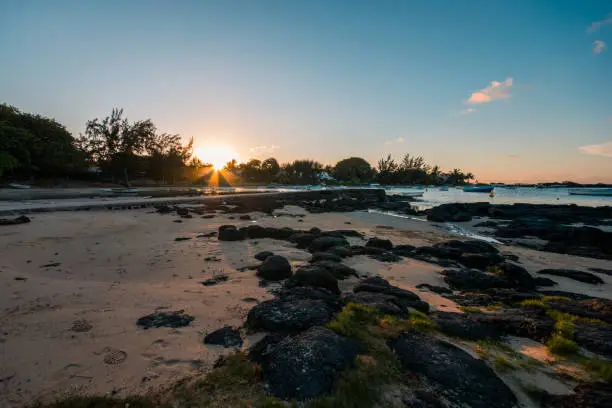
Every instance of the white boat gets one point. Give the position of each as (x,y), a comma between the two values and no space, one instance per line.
(602,192)
(478,189)
(19,186)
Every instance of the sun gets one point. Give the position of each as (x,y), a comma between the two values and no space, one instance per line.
(217,155)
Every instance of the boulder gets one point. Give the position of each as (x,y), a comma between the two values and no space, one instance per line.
(465,326)
(380,243)
(595,337)
(254,231)
(518,276)
(245,217)
(294,310)
(378,292)
(480,261)
(403,250)
(306,366)
(336,269)
(459,377)
(384,303)
(580,276)
(540,281)
(320,244)
(471,246)
(313,276)
(22,219)
(182,211)
(230,233)
(165,319)
(226,336)
(441,290)
(302,239)
(471,279)
(263,255)
(274,268)
(325,256)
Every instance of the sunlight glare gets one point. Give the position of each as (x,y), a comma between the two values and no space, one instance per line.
(217,155)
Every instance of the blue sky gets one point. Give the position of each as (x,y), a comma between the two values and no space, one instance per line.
(508,90)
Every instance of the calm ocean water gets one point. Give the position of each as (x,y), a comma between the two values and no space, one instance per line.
(433,196)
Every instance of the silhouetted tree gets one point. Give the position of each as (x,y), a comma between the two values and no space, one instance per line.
(33,145)
(354,169)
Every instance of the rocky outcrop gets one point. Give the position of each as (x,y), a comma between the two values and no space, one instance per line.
(455,374)
(295,310)
(274,268)
(580,276)
(165,319)
(471,279)
(263,255)
(226,336)
(379,293)
(313,276)
(15,221)
(304,366)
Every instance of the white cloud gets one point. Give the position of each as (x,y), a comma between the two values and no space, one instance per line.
(263,149)
(598,24)
(467,111)
(602,149)
(395,141)
(495,90)
(598,47)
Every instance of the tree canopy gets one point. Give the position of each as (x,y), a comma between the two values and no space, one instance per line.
(354,170)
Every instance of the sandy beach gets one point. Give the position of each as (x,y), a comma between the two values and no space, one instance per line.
(73,285)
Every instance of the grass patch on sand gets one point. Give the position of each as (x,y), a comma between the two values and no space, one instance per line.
(597,367)
(470,309)
(235,382)
(557,344)
(532,303)
(376,367)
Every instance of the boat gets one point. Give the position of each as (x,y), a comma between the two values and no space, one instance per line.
(602,192)
(478,189)
(443,188)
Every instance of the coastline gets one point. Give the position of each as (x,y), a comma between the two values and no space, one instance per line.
(75,283)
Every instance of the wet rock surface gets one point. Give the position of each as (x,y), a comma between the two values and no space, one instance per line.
(304,366)
(451,371)
(295,309)
(15,221)
(379,293)
(465,326)
(226,336)
(580,276)
(472,279)
(165,319)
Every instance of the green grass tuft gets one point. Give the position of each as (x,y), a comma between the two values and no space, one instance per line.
(533,303)
(557,344)
(503,363)
(555,298)
(470,309)
(600,368)
(354,321)
(420,321)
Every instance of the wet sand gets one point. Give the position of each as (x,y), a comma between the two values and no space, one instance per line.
(72,286)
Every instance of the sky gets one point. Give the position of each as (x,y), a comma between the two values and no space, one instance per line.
(515,91)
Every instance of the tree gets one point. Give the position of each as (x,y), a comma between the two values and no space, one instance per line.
(33,145)
(354,169)
(387,170)
(270,169)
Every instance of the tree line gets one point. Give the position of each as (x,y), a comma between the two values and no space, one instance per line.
(115,149)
